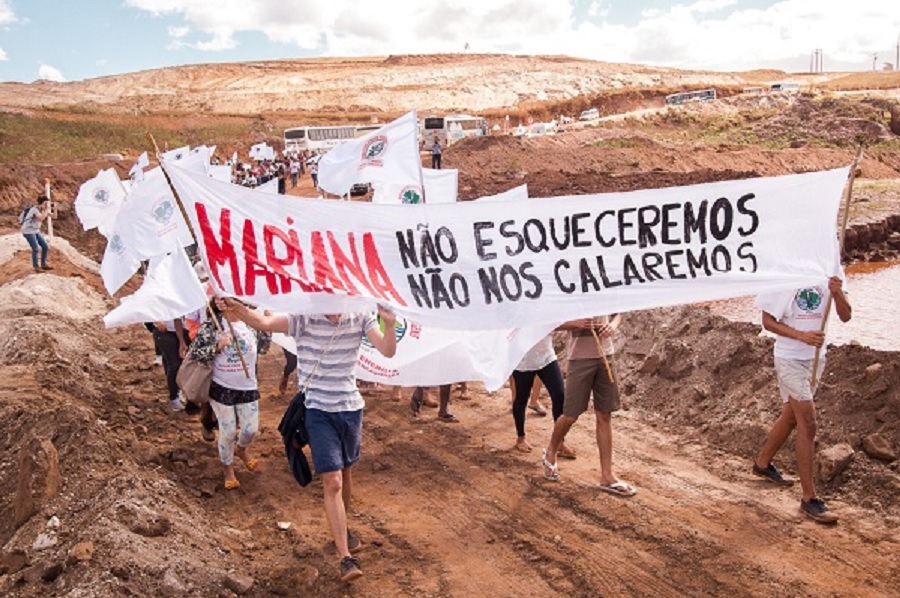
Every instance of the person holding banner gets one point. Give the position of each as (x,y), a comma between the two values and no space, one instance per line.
(591,371)
(233,391)
(31,221)
(327,354)
(796,318)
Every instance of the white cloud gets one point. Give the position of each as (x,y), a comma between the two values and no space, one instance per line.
(50,73)
(7,14)
(3,55)
(708,34)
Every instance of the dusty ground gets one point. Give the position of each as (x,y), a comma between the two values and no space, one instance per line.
(453,510)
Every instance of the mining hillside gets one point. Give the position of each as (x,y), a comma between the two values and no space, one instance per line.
(108,493)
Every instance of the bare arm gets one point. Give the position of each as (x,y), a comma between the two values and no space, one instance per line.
(814,338)
(841,303)
(384,342)
(258,320)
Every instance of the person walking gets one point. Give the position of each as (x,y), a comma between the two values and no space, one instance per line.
(436,154)
(327,352)
(590,372)
(233,392)
(539,362)
(172,340)
(31,221)
(796,320)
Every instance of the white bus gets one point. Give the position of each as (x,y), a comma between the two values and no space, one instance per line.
(451,128)
(704,95)
(784,87)
(322,139)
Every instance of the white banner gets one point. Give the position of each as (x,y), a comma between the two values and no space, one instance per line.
(220,173)
(99,200)
(387,155)
(501,265)
(441,186)
(170,290)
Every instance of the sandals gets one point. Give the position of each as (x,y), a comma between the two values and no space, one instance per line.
(252,464)
(447,418)
(565,452)
(232,484)
(551,470)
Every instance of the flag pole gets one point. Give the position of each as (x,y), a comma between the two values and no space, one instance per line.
(187,221)
(603,355)
(848,192)
(49,216)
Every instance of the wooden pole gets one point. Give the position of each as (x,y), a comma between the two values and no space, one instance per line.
(848,192)
(49,217)
(234,340)
(603,355)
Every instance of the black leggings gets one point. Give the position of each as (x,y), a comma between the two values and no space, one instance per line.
(167,342)
(552,378)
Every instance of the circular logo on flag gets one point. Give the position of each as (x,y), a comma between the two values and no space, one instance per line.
(101,196)
(411,194)
(374,147)
(163,209)
(116,245)
(400,327)
(809,299)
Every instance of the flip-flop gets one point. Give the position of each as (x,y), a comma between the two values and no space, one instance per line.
(551,470)
(619,488)
(232,484)
(538,409)
(448,418)
(252,464)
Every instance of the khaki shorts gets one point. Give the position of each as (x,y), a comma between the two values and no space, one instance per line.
(795,376)
(587,376)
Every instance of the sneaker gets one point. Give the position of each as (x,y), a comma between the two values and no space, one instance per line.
(177,404)
(353,541)
(350,568)
(157,360)
(771,473)
(815,508)
(46,267)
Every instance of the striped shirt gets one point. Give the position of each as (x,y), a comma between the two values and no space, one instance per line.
(326,357)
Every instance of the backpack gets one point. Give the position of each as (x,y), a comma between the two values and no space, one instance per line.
(23,215)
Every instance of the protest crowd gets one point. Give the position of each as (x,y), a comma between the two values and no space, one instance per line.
(352,318)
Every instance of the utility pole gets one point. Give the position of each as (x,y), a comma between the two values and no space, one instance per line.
(874,61)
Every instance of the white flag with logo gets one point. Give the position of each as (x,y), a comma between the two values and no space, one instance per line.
(176,155)
(152,224)
(170,290)
(262,151)
(137,171)
(99,200)
(387,155)
(119,263)
(220,173)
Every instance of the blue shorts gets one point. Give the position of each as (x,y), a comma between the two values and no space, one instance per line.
(334,438)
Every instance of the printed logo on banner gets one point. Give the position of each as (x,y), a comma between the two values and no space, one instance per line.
(116,245)
(411,194)
(809,299)
(229,352)
(400,328)
(163,209)
(373,151)
(101,196)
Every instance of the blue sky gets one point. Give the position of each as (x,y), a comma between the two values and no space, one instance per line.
(69,40)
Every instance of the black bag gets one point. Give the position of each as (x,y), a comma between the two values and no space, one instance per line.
(293,432)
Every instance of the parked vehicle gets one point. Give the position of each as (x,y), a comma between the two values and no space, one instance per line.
(589,114)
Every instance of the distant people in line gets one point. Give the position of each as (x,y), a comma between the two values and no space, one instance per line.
(327,352)
(539,362)
(591,371)
(796,319)
(31,221)
(295,171)
(436,154)
(233,393)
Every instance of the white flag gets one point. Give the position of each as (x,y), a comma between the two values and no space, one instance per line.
(441,185)
(151,223)
(514,194)
(270,187)
(220,173)
(262,151)
(99,200)
(169,291)
(119,263)
(387,155)
(137,171)
(176,154)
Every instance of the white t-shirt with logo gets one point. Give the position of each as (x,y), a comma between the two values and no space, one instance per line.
(801,310)
(226,365)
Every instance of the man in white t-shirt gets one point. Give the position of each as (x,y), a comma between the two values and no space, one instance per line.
(796,320)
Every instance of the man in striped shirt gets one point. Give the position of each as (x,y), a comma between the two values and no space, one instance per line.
(327,351)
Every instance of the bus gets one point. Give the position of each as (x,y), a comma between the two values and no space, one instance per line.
(451,128)
(704,95)
(784,87)
(322,139)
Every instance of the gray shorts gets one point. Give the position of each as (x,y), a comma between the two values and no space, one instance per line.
(588,376)
(795,378)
